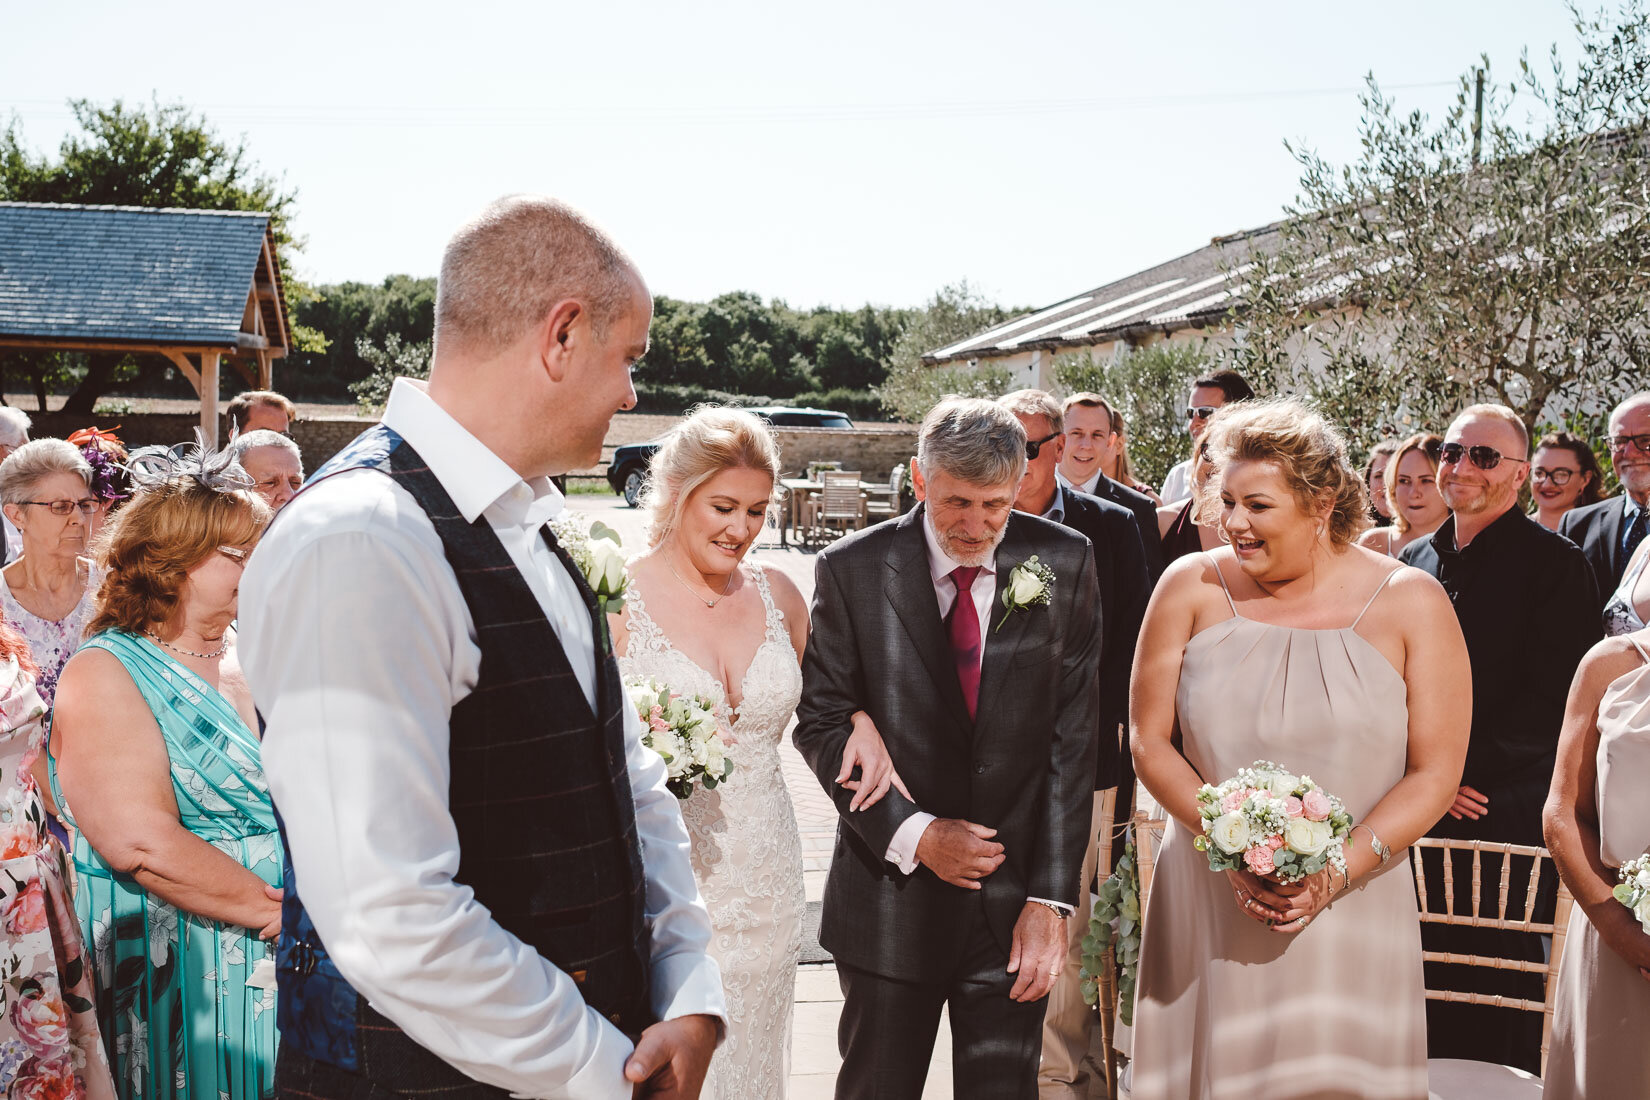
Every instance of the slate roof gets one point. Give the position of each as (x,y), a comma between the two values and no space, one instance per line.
(1190,291)
(126,274)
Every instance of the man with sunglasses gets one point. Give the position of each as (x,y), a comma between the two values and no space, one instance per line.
(1528,607)
(1223,387)
(1608,532)
(1125,585)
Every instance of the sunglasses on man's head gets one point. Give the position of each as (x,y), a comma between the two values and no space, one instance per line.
(1201,412)
(1034,447)
(1485,458)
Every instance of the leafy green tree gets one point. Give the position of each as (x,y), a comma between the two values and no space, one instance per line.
(1148,386)
(954,312)
(349,313)
(396,359)
(155,156)
(1445,266)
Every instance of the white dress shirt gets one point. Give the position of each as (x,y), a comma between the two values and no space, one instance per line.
(1086,487)
(357,644)
(902,849)
(1178,485)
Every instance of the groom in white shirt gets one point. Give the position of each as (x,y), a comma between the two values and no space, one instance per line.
(462,788)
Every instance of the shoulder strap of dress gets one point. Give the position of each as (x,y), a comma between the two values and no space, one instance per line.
(1370,602)
(774,620)
(1222,577)
(1638,645)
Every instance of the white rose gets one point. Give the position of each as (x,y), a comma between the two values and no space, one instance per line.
(1309,838)
(1283,784)
(1642,912)
(607,567)
(1024,586)
(1230,832)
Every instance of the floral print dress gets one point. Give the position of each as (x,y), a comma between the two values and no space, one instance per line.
(186,1004)
(50,1048)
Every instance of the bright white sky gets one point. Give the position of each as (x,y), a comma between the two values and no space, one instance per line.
(821,153)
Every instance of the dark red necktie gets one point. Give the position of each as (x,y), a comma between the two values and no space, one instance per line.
(963,626)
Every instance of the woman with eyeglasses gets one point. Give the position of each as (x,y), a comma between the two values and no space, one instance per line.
(1564,474)
(47,594)
(1411,488)
(154,759)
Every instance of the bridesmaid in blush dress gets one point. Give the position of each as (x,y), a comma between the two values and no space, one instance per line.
(1597,818)
(1298,647)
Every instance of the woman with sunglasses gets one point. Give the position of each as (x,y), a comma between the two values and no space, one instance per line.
(1411,489)
(1564,474)
(47,593)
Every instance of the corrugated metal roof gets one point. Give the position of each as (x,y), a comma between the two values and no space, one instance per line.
(123,273)
(1185,292)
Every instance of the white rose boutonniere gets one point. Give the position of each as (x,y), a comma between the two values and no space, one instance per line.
(1030,584)
(595,549)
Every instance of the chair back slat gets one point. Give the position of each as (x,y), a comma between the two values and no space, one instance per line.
(1539,860)
(839,497)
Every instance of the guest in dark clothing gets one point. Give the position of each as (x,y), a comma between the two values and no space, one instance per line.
(1179,532)
(1608,532)
(1526,602)
(1091,435)
(1125,586)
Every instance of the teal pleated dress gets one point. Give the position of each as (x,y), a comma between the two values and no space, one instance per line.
(173,998)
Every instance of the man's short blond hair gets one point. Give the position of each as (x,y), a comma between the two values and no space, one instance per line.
(1502,413)
(502,273)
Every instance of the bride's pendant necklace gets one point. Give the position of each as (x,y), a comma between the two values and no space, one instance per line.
(689,587)
(214,655)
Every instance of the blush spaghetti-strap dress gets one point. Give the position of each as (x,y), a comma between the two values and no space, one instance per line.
(1225,1007)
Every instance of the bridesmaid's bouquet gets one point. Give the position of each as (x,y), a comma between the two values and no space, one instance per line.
(1634,889)
(682,730)
(1273,823)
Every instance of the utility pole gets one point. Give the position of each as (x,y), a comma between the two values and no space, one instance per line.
(1477,115)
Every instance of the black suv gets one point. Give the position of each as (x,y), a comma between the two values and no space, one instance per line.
(627,473)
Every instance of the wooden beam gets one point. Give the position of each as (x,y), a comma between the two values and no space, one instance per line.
(209,396)
(250,341)
(185,368)
(266,371)
(37,343)
(265,292)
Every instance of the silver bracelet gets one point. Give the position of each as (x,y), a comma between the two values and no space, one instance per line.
(1375,845)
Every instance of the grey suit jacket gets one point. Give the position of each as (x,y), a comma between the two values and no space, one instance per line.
(1024,766)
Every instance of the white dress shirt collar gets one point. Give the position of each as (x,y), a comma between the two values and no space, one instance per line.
(941,564)
(1087,486)
(475,477)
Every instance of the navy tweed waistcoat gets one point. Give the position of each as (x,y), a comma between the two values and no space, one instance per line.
(541,798)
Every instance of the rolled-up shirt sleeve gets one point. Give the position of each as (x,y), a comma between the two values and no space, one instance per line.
(357,644)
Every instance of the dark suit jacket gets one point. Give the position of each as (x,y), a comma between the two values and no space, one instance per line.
(1024,766)
(1596,528)
(1125,586)
(1144,510)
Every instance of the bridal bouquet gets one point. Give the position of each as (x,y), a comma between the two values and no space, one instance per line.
(682,729)
(1273,823)
(1634,889)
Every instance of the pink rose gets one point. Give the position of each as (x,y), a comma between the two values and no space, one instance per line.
(1233,801)
(1292,806)
(40,1018)
(1274,842)
(1316,805)
(26,912)
(1259,859)
(46,1079)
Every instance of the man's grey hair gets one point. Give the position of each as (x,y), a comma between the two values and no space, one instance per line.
(26,466)
(973,439)
(503,272)
(14,426)
(1036,403)
(263,437)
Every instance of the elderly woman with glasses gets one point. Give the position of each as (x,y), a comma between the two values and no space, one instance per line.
(47,594)
(155,760)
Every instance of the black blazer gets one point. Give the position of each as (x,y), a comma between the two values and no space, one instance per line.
(1596,528)
(1125,586)
(1144,509)
(1024,766)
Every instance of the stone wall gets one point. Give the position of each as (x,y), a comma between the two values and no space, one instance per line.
(873,451)
(318,438)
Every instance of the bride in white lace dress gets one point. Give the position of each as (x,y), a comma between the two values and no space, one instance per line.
(702,620)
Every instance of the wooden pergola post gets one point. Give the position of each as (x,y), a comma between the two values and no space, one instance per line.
(209,396)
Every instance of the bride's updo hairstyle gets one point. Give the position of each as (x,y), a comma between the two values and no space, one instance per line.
(1310,453)
(713,438)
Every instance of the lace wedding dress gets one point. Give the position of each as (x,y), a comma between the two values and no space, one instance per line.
(747,854)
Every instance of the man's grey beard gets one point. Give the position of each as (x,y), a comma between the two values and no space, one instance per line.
(974,560)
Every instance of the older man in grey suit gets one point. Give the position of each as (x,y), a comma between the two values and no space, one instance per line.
(978,665)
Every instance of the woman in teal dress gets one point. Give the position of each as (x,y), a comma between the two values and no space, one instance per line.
(156,765)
